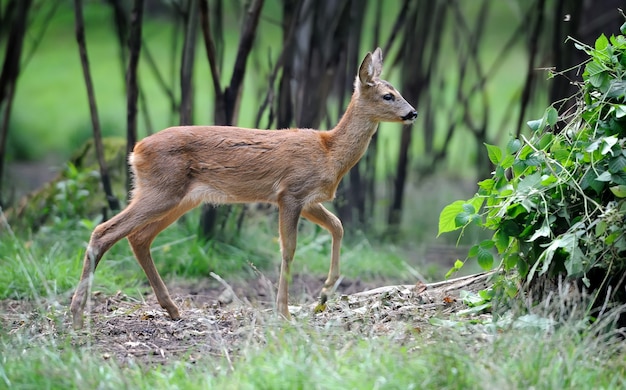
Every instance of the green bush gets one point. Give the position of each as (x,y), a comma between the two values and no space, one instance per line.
(556,200)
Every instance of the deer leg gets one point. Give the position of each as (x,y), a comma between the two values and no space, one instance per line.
(288,217)
(319,215)
(137,214)
(140,242)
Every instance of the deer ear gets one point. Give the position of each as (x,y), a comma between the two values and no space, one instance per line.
(377,61)
(371,67)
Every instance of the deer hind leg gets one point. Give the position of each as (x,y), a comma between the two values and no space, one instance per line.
(319,215)
(141,211)
(140,241)
(288,217)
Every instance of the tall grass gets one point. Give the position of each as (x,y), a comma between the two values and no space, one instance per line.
(49,262)
(547,352)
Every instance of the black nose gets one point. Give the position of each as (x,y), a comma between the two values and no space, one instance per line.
(410,116)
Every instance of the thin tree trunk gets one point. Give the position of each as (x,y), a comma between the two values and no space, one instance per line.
(4,132)
(186,67)
(97,134)
(533,51)
(10,73)
(418,30)
(132,88)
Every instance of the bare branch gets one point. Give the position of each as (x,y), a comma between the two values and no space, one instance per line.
(209,45)
(243,51)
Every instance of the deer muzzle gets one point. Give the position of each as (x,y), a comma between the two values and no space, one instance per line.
(410,117)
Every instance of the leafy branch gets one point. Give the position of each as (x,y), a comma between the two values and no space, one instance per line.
(556,201)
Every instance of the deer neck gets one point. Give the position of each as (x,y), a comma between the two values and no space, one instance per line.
(351,137)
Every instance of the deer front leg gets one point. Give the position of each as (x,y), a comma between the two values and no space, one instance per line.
(288,217)
(319,215)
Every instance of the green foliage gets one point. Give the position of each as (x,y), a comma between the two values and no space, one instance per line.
(556,201)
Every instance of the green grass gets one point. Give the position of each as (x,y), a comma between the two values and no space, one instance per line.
(456,355)
(50,261)
(299,357)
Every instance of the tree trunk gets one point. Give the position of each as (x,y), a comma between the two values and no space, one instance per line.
(10,72)
(132,87)
(186,67)
(97,134)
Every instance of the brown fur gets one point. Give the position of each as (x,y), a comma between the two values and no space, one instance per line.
(296,169)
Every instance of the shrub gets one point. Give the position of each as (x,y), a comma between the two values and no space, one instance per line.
(556,200)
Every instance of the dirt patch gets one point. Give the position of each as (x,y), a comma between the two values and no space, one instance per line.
(219,319)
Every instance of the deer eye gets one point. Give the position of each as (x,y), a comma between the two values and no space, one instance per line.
(388,97)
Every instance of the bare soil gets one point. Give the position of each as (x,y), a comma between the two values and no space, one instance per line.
(219,319)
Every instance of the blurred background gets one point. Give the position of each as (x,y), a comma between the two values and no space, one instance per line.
(476,70)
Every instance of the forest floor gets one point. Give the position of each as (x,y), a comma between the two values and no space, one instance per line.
(220,319)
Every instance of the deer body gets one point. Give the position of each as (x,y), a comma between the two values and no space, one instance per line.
(297,169)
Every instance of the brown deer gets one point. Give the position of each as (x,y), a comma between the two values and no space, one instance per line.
(178,168)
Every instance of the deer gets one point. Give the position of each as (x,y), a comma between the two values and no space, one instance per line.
(176,169)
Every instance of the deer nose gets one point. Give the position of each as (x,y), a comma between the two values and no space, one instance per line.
(410,116)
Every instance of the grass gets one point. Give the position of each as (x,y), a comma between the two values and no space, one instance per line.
(457,355)
(49,261)
(298,357)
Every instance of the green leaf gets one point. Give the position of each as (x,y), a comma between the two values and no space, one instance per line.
(473,251)
(597,74)
(528,183)
(507,161)
(601,43)
(619,191)
(458,264)
(545,140)
(494,153)
(617,164)
(485,258)
(617,90)
(619,178)
(620,110)
(513,146)
(599,80)
(593,146)
(604,176)
(511,228)
(607,144)
(469,208)
(589,181)
(467,215)
(552,116)
(514,210)
(543,231)
(448,216)
(522,267)
(546,180)
(574,262)
(487,185)
(487,244)
(567,241)
(502,240)
(536,124)
(511,261)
